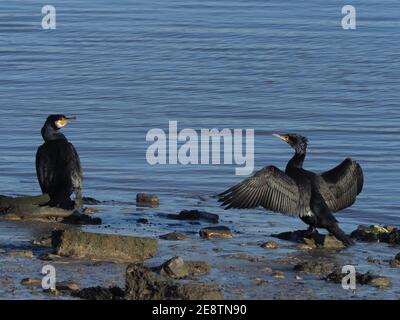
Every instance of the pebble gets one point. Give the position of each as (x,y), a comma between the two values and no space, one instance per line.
(278,275)
(175,236)
(216,232)
(269,245)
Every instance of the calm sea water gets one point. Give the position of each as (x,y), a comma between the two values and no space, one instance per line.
(124,67)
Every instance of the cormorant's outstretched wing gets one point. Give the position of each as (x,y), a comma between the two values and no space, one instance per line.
(73,166)
(271,189)
(345,182)
(45,169)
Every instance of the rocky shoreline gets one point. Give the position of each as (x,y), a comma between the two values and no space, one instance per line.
(64,243)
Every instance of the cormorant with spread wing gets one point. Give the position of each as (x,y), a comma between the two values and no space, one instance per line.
(299,192)
(58,165)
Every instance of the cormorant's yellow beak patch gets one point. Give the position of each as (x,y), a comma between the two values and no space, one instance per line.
(61,122)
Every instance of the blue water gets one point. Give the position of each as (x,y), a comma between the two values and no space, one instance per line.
(125,67)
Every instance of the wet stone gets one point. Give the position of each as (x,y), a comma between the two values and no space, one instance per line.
(67,287)
(78,218)
(303,246)
(17,253)
(175,236)
(278,275)
(316,240)
(381,282)
(177,268)
(259,281)
(91,210)
(90,201)
(361,278)
(377,233)
(198,268)
(269,245)
(195,215)
(43,242)
(147,200)
(114,248)
(99,293)
(314,267)
(374,260)
(143,284)
(395,263)
(267,270)
(30,282)
(216,232)
(49,257)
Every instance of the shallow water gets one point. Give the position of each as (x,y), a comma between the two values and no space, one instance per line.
(124,67)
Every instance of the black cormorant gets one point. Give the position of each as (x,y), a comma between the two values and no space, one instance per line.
(58,165)
(299,192)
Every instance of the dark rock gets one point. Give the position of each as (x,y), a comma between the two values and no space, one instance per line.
(35,208)
(49,257)
(90,201)
(376,233)
(30,282)
(67,287)
(43,242)
(143,284)
(99,293)
(142,221)
(175,236)
(147,200)
(216,232)
(314,267)
(115,248)
(316,240)
(295,236)
(361,278)
(177,268)
(78,218)
(12,253)
(395,263)
(9,202)
(195,215)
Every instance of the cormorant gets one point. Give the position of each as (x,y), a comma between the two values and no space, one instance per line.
(58,165)
(299,192)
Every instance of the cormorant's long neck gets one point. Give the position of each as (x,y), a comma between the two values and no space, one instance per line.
(298,158)
(51,134)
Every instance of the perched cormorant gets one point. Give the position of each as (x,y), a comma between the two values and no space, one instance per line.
(58,166)
(299,192)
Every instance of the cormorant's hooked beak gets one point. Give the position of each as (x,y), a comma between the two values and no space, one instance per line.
(281,136)
(70,118)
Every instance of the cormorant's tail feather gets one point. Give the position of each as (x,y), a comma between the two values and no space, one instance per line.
(340,235)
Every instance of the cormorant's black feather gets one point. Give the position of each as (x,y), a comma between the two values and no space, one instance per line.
(310,196)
